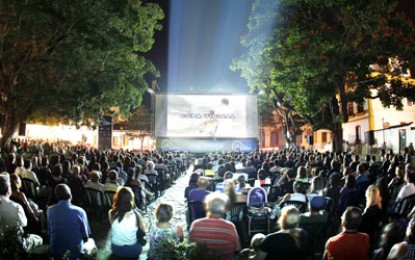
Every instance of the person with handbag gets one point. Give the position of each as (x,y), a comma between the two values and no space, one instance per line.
(127,227)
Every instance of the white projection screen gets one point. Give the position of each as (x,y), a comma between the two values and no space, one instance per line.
(206,116)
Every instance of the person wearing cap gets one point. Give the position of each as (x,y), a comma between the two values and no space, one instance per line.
(217,234)
(316,213)
(349,244)
(12,214)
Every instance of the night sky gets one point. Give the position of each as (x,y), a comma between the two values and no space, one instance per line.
(204,37)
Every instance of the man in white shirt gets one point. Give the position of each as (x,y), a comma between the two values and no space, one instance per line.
(12,214)
(409,188)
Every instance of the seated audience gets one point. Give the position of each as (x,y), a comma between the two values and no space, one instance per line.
(316,213)
(68,226)
(12,214)
(201,192)
(296,195)
(392,234)
(112,184)
(93,182)
(288,243)
(409,187)
(163,232)
(192,185)
(219,235)
(373,215)
(125,222)
(349,244)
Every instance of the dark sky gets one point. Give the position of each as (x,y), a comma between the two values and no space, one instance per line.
(203,37)
(198,66)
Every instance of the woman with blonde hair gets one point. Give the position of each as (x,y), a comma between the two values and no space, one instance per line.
(163,231)
(373,215)
(125,222)
(288,243)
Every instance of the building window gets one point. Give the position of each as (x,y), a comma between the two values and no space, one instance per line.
(125,140)
(115,141)
(324,137)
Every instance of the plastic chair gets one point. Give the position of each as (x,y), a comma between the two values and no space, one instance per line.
(258,214)
(30,188)
(153,183)
(402,208)
(95,202)
(109,196)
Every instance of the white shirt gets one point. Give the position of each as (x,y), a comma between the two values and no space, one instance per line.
(406,191)
(11,213)
(298,197)
(124,232)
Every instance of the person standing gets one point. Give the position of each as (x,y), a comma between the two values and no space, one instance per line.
(68,226)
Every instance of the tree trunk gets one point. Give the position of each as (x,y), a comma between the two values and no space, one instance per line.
(336,125)
(9,126)
(337,137)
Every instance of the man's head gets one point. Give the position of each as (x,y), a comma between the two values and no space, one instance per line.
(216,204)
(202,182)
(63,192)
(5,189)
(351,218)
(113,175)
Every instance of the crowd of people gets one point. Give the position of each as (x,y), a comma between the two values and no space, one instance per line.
(312,196)
(45,197)
(352,202)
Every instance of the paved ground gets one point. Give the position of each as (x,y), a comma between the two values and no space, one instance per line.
(174,195)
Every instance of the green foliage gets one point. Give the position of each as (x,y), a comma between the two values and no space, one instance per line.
(318,55)
(74,59)
(171,250)
(10,248)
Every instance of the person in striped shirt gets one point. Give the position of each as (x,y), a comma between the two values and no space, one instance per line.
(217,234)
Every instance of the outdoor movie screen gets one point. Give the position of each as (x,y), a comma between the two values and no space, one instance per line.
(215,116)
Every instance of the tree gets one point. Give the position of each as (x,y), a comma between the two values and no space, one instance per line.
(321,54)
(73,59)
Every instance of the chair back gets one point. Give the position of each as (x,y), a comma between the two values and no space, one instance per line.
(109,196)
(95,197)
(30,187)
(257,197)
(402,207)
(237,213)
(152,177)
